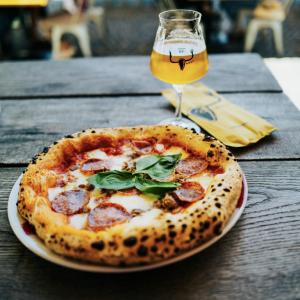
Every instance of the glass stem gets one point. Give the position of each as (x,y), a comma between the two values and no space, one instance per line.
(178,88)
(178,114)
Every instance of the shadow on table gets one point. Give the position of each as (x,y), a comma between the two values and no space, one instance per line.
(258,147)
(190,276)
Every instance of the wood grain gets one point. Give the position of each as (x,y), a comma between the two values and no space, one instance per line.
(28,126)
(125,75)
(258,259)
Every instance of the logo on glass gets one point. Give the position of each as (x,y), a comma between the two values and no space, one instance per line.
(181,61)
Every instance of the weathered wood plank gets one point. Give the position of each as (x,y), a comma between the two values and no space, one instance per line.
(29,125)
(258,259)
(125,75)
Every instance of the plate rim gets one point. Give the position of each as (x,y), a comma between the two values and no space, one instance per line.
(36,245)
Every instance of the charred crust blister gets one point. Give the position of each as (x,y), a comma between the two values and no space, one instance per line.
(144,238)
(99,245)
(142,251)
(210,153)
(130,241)
(154,249)
(45,150)
(172,234)
(218,205)
(162,238)
(218,229)
(192,236)
(208,138)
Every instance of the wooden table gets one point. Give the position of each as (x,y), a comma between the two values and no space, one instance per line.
(258,259)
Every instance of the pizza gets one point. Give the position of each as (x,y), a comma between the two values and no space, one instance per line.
(127,196)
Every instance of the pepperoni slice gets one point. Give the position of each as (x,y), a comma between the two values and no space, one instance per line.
(189,192)
(70,202)
(191,166)
(143,146)
(94,165)
(106,215)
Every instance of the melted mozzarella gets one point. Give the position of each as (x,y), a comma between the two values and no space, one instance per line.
(159,147)
(53,192)
(131,202)
(117,162)
(78,221)
(149,218)
(127,150)
(79,178)
(205,180)
(176,150)
(93,203)
(97,154)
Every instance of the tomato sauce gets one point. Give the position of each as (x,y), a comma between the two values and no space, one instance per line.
(215,170)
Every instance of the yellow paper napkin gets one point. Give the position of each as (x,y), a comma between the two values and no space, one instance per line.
(224,120)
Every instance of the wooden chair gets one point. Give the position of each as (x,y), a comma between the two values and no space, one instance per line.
(75,23)
(268,18)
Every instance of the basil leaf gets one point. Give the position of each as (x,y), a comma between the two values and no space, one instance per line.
(119,180)
(146,162)
(112,180)
(159,170)
(154,187)
(156,167)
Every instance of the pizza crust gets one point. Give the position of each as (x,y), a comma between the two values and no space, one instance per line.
(152,236)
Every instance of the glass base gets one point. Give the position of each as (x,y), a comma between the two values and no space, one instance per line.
(183,122)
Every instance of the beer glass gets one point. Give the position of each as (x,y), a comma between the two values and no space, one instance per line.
(179,55)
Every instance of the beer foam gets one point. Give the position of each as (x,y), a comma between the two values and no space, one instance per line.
(182,47)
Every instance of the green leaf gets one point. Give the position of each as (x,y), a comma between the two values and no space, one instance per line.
(151,167)
(146,162)
(154,187)
(112,180)
(156,166)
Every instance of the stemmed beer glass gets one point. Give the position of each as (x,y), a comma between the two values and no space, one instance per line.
(179,55)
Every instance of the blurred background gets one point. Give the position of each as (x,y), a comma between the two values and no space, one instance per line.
(64,29)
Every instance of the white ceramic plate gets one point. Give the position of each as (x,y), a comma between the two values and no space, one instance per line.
(33,243)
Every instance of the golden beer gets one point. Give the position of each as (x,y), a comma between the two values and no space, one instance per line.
(179,56)
(178,63)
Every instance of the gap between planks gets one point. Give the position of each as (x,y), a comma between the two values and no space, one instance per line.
(49,97)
